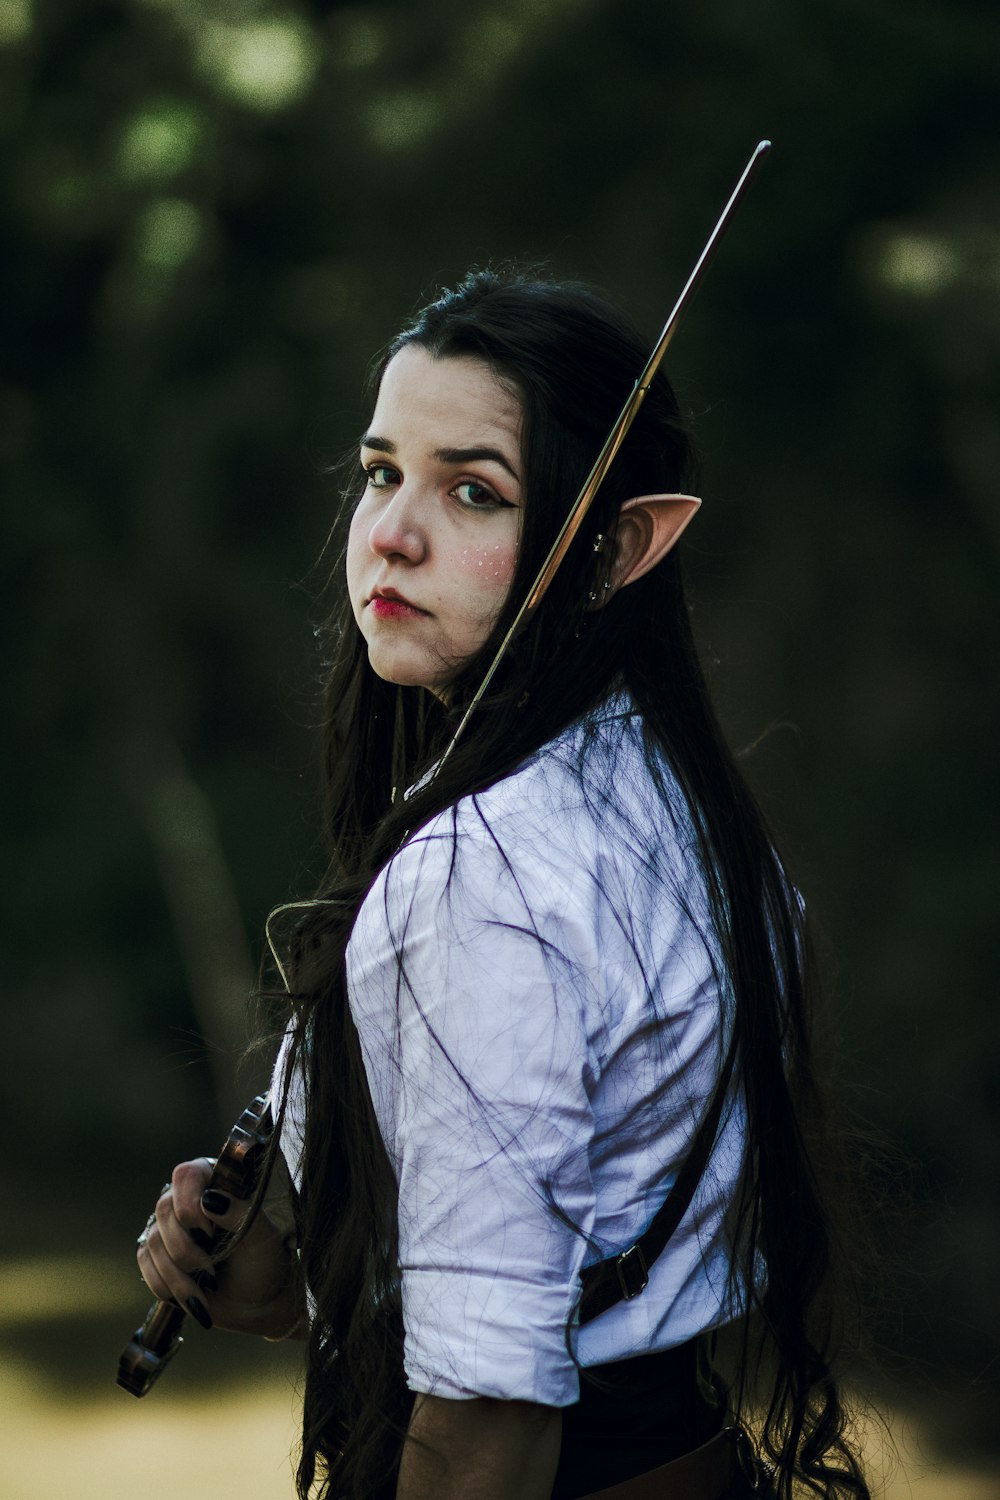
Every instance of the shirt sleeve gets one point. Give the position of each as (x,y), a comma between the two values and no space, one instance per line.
(469,985)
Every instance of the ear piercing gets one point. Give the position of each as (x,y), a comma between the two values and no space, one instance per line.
(599,541)
(592,596)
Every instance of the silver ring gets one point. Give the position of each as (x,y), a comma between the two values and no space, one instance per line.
(144,1236)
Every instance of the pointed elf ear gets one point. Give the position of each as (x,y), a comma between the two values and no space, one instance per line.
(648,527)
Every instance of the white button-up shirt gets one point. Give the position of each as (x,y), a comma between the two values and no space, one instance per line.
(533,983)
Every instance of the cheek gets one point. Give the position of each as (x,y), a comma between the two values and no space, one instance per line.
(490,567)
(357,547)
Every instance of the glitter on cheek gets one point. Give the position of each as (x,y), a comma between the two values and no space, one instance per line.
(494,563)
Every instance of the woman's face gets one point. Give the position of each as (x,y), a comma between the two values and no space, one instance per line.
(433,541)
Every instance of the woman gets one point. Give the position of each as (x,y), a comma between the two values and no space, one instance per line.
(536,964)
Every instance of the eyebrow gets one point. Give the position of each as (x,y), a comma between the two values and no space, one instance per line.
(447,455)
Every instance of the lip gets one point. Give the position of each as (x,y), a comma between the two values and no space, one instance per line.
(388,604)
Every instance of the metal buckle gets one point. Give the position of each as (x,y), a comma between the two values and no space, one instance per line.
(753,1470)
(635,1267)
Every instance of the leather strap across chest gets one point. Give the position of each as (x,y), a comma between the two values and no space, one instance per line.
(621,1277)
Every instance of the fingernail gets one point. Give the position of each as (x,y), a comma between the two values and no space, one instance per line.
(201,1239)
(199,1311)
(205,1280)
(214,1202)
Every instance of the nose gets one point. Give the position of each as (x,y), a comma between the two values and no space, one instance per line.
(397,532)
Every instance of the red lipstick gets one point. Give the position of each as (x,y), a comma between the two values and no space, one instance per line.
(388,605)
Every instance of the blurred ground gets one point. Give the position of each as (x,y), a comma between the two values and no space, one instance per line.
(224,1420)
(238,1446)
(107,1449)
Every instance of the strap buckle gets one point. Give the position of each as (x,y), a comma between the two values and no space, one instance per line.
(632,1272)
(754,1471)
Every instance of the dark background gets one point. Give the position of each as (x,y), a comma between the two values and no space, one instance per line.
(213,216)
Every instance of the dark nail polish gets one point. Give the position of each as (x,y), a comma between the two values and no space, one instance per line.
(205,1280)
(201,1239)
(215,1202)
(199,1312)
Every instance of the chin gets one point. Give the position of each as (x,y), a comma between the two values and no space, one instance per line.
(406,670)
(404,674)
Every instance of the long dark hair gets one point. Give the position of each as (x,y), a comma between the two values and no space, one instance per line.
(572,360)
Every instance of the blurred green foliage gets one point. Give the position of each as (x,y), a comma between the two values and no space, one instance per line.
(214,213)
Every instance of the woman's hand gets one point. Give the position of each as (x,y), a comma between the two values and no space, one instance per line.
(255,1289)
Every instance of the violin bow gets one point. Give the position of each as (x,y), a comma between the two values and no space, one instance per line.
(581,505)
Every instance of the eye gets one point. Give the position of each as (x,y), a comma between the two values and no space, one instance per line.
(477,497)
(381,476)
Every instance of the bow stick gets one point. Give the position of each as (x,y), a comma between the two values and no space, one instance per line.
(613,441)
